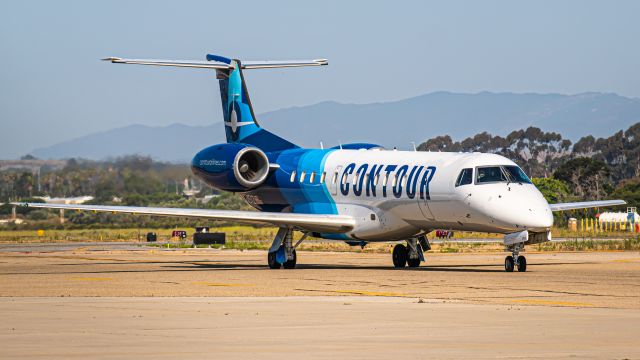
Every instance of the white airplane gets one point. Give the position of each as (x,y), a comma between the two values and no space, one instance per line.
(358,193)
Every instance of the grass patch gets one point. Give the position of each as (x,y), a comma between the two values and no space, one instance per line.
(630,244)
(259,238)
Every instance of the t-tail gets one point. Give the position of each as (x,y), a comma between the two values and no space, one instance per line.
(240,121)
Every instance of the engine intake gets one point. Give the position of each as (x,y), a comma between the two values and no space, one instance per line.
(231,167)
(251,167)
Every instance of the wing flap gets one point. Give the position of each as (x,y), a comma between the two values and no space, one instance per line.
(585,205)
(311,222)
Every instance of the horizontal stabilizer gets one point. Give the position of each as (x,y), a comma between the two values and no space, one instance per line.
(282,63)
(177,63)
(311,222)
(219,62)
(585,205)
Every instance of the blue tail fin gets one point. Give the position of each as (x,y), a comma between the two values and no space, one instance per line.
(239,119)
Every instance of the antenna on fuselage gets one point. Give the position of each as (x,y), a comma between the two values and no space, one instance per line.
(321,146)
(414,146)
(340,142)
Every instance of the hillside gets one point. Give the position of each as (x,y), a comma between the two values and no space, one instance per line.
(389,124)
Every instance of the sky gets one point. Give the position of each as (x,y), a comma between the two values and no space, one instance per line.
(53,87)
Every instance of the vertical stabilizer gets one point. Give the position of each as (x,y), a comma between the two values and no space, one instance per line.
(240,123)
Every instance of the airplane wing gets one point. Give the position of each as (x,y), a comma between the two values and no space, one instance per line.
(585,205)
(311,222)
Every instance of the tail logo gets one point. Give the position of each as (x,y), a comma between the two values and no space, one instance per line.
(234,123)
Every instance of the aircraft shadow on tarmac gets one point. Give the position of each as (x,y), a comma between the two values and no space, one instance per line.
(445,268)
(204,265)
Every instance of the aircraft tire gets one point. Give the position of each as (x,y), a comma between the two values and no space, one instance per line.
(399,256)
(413,263)
(271,260)
(291,264)
(522,264)
(509,263)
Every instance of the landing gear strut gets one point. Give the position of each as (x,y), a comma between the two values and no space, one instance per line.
(282,252)
(515,260)
(411,254)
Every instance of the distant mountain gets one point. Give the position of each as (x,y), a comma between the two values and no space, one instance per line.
(174,143)
(389,124)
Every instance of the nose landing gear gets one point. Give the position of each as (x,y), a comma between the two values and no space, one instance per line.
(515,260)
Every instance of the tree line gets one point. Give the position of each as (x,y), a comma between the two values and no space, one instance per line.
(590,169)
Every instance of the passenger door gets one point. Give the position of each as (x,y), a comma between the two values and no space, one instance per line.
(423,204)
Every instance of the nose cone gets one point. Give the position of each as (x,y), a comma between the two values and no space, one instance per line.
(523,208)
(540,218)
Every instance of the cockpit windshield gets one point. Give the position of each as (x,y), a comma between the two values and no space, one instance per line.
(516,174)
(505,173)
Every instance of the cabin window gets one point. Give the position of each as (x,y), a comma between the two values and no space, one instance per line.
(395,181)
(376,180)
(302,175)
(335,177)
(465,177)
(323,177)
(366,178)
(344,178)
(312,177)
(293,176)
(355,178)
(385,180)
(404,181)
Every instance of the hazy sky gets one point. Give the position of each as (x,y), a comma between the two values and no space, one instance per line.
(53,87)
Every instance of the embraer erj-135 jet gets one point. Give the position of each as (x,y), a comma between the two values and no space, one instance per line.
(358,193)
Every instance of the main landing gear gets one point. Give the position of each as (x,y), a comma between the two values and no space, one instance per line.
(515,260)
(410,255)
(283,252)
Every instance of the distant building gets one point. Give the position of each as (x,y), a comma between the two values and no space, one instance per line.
(65,200)
(630,216)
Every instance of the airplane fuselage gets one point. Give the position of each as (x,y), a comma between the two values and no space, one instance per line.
(394,194)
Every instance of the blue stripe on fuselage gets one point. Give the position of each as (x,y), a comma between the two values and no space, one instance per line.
(318,199)
(304,197)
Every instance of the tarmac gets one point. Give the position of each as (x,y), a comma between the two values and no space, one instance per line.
(126,301)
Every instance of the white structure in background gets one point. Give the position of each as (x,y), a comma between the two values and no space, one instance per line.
(189,191)
(12,219)
(65,200)
(631,216)
(207,198)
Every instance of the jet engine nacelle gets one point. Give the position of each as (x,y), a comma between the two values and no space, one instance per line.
(231,167)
